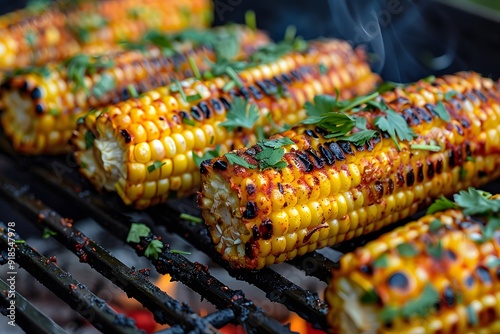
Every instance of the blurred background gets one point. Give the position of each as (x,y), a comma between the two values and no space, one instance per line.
(407,39)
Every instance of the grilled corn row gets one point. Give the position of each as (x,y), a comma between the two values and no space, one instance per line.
(330,190)
(41,109)
(143,148)
(35,38)
(430,276)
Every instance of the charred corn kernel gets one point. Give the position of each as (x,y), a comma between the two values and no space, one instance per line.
(36,37)
(34,103)
(370,186)
(399,283)
(185,122)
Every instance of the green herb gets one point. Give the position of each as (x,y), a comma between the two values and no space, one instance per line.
(462,173)
(277,143)
(441,204)
(232,158)
(435,250)
(83,165)
(407,250)
(132,91)
(470,159)
(154,249)
(369,297)
(381,262)
(80,65)
(388,86)
(234,76)
(210,154)
(194,67)
(88,23)
(449,95)
(31,37)
(135,12)
(176,251)
(271,158)
(260,133)
(42,71)
(440,109)
(429,79)
(54,112)
(47,233)
(426,147)
(360,138)
(493,262)
(104,86)
(188,121)
(194,97)
(492,226)
(474,201)
(395,125)
(196,220)
(290,33)
(422,305)
(388,314)
(89,139)
(472,316)
(275,127)
(228,86)
(38,6)
(20,241)
(241,114)
(178,85)
(156,165)
(322,68)
(137,231)
(281,92)
(250,20)
(435,226)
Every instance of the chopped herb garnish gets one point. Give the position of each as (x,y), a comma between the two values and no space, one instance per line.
(104,86)
(154,249)
(83,165)
(277,143)
(194,67)
(360,138)
(132,91)
(137,231)
(290,33)
(250,20)
(20,241)
(472,316)
(228,86)
(450,94)
(47,233)
(54,112)
(156,165)
(176,251)
(493,262)
(426,147)
(388,86)
(442,112)
(381,262)
(38,6)
(177,84)
(369,297)
(31,37)
(422,305)
(470,159)
(241,114)
(407,250)
(271,158)
(395,125)
(232,158)
(234,76)
(435,250)
(191,98)
(89,139)
(322,68)
(474,201)
(462,173)
(435,226)
(492,226)
(388,314)
(260,133)
(441,204)
(429,79)
(196,220)
(80,65)
(210,154)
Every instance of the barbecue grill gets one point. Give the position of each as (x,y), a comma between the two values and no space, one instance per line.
(48,193)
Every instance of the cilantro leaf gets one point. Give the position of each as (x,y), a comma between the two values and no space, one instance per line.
(395,125)
(435,226)
(360,138)
(208,155)
(450,94)
(89,139)
(381,262)
(492,226)
(440,109)
(47,233)
(474,201)
(388,86)
(232,158)
(407,250)
(269,158)
(493,262)
(426,147)
(441,204)
(188,217)
(156,165)
(154,249)
(277,143)
(369,297)
(472,318)
(435,250)
(105,85)
(388,314)
(176,251)
(137,231)
(422,305)
(241,114)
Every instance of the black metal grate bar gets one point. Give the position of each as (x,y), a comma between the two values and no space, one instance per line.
(194,275)
(216,319)
(28,317)
(165,308)
(75,294)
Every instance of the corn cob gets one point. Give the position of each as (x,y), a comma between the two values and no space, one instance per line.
(41,107)
(439,274)
(331,190)
(143,148)
(30,37)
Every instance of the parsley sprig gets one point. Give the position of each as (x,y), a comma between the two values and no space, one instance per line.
(82,64)
(241,114)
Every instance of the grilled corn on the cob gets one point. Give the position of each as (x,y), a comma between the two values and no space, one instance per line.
(35,37)
(327,190)
(439,274)
(143,148)
(42,106)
